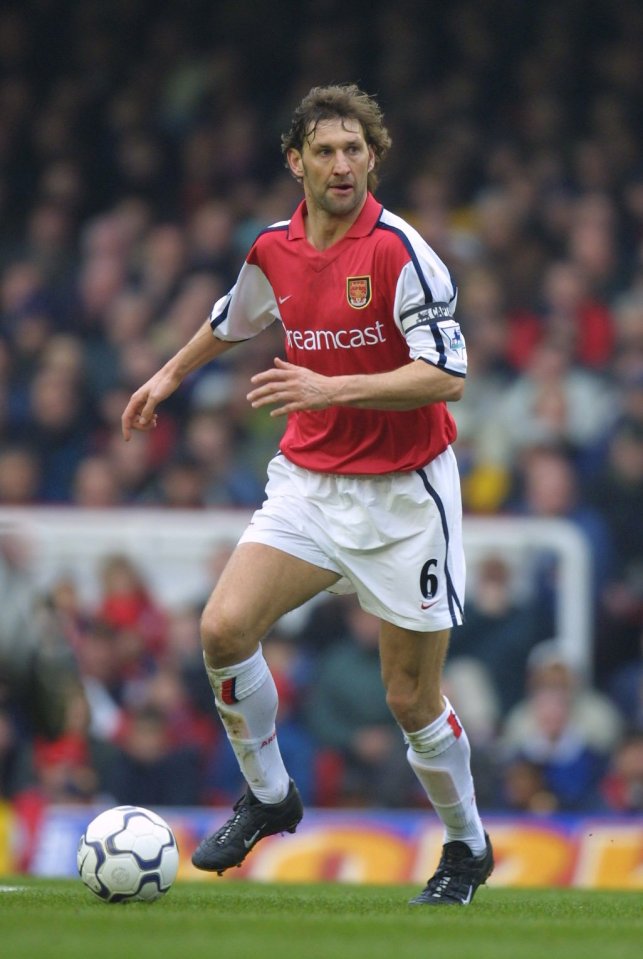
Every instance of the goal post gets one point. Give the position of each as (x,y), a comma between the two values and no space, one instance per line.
(519,538)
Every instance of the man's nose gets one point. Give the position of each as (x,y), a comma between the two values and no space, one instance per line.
(341,163)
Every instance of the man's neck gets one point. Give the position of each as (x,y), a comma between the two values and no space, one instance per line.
(324,229)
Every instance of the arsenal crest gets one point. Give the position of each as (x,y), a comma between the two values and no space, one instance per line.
(358,291)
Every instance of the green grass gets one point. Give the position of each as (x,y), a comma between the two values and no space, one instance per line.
(62,920)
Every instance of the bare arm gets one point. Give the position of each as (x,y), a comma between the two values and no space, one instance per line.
(140,413)
(291,388)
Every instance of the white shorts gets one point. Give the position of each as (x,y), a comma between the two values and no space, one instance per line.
(396,539)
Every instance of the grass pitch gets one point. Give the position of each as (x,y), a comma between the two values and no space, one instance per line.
(61,919)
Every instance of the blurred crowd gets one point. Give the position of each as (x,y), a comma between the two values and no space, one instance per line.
(139,157)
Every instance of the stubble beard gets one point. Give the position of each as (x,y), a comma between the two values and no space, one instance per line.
(341,206)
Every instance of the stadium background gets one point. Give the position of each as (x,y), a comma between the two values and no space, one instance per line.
(139,156)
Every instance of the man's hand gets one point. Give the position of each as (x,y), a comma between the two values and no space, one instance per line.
(293,388)
(139,413)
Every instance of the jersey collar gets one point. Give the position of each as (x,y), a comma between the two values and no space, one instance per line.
(363,225)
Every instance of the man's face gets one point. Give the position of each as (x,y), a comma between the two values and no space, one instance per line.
(334,164)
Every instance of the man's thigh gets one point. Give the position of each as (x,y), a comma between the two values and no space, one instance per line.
(258,585)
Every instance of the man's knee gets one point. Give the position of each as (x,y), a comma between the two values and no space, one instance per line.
(413,705)
(404,704)
(225,639)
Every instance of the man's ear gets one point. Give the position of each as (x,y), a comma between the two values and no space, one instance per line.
(295,163)
(371,159)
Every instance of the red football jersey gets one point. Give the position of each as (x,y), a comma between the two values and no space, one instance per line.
(372,302)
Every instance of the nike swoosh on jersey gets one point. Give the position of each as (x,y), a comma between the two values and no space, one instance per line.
(282,299)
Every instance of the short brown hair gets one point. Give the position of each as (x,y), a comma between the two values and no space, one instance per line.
(343,101)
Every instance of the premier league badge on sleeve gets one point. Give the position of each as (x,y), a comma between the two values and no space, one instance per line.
(454,336)
(358,291)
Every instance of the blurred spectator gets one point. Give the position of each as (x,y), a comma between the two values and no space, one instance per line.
(618,492)
(553,402)
(628,317)
(58,431)
(622,787)
(524,789)
(187,726)
(184,656)
(72,766)
(593,248)
(564,728)
(500,629)
(162,264)
(323,621)
(631,406)
(571,317)
(550,488)
(20,476)
(624,684)
(209,441)
(100,677)
(210,240)
(62,615)
(148,770)
(125,321)
(346,712)
(69,767)
(95,484)
(14,762)
(129,608)
(19,637)
(132,463)
(627,412)
(484,320)
(181,484)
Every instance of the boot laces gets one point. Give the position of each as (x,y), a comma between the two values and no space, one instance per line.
(241,813)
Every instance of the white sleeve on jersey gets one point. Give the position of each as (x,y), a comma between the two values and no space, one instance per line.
(425,301)
(247,309)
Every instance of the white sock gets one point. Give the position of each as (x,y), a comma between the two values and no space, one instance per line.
(440,757)
(246,700)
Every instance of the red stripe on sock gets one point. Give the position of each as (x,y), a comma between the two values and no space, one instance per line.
(227,691)
(454,723)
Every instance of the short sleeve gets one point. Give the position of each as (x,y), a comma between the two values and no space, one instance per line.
(247,309)
(424,309)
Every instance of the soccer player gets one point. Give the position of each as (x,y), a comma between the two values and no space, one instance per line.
(364,493)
